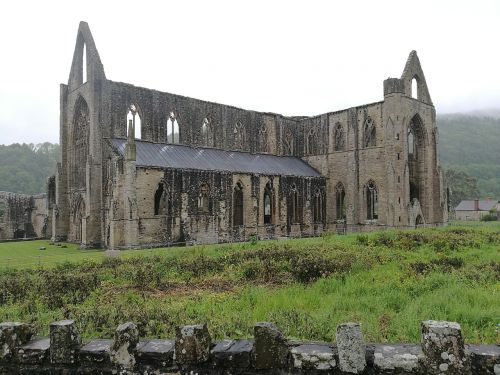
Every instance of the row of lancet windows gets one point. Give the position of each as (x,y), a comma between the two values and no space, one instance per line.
(371,196)
(163,203)
(172,134)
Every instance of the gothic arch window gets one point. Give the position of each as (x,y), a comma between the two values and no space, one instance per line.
(414,88)
(263,139)
(288,143)
(163,203)
(340,203)
(311,142)
(84,64)
(318,206)
(370,134)
(239,136)
(173,135)
(371,201)
(238,205)
(204,199)
(134,119)
(207,133)
(294,204)
(268,204)
(80,136)
(416,152)
(339,137)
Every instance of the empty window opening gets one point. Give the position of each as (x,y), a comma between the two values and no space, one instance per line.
(162,200)
(370,134)
(239,136)
(288,143)
(312,142)
(399,179)
(397,137)
(371,201)
(268,205)
(84,64)
(414,191)
(134,119)
(206,133)
(414,88)
(238,205)
(399,156)
(318,207)
(412,151)
(339,138)
(264,141)
(173,135)
(340,201)
(203,199)
(294,206)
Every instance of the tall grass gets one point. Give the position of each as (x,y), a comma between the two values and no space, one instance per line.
(388,281)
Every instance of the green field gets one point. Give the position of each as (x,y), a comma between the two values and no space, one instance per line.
(388,281)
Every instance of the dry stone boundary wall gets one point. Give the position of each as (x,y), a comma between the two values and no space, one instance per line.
(442,351)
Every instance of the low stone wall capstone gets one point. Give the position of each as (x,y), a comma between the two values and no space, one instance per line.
(442,351)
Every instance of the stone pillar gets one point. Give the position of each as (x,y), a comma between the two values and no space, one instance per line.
(192,344)
(444,349)
(12,336)
(271,347)
(64,342)
(124,345)
(351,348)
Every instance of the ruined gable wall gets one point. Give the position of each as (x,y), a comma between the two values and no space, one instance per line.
(22,216)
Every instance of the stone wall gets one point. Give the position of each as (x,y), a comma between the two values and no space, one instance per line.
(23,216)
(441,351)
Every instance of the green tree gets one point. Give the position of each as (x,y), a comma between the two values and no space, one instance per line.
(461,186)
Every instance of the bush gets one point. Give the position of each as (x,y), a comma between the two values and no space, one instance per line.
(489,217)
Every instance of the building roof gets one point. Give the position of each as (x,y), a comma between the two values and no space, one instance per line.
(469,205)
(162,155)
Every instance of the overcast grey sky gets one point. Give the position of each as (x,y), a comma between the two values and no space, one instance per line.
(290,57)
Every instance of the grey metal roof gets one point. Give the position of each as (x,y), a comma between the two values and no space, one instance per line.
(484,205)
(211,159)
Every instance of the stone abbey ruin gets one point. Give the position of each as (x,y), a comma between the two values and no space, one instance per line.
(141,167)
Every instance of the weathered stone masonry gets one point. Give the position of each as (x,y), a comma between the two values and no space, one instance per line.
(442,351)
(371,166)
(23,216)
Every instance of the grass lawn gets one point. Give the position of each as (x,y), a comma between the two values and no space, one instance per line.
(389,281)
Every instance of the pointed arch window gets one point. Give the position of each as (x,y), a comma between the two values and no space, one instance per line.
(80,137)
(263,139)
(207,133)
(84,64)
(340,203)
(318,206)
(203,199)
(414,88)
(268,204)
(163,203)
(238,205)
(294,204)
(339,137)
(134,119)
(371,201)
(311,143)
(370,134)
(173,135)
(239,136)
(288,143)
